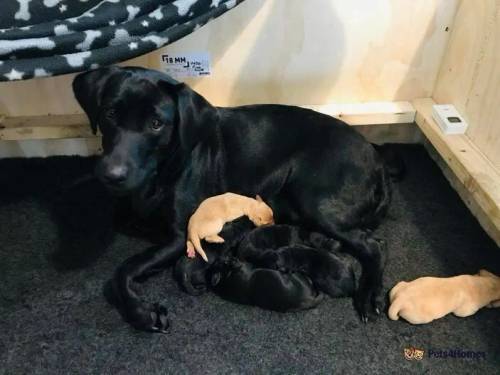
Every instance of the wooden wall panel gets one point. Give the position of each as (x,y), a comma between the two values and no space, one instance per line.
(470,74)
(294,52)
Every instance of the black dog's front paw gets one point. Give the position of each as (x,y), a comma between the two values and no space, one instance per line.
(362,304)
(377,304)
(150,317)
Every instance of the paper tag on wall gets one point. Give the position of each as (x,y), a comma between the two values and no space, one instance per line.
(182,65)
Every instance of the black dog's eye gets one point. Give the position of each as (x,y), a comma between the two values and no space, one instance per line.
(156,125)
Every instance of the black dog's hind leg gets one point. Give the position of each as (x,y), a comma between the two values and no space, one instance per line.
(369,252)
(143,315)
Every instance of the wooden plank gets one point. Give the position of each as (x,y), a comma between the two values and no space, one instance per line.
(369,113)
(483,219)
(391,133)
(76,126)
(45,127)
(474,171)
(42,148)
(470,73)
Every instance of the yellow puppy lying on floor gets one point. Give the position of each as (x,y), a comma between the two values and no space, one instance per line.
(428,298)
(209,218)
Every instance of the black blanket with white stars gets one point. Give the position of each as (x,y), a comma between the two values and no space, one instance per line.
(50,37)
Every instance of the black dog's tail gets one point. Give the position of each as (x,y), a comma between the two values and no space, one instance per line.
(393,162)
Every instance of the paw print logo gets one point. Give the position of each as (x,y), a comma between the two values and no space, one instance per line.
(413,353)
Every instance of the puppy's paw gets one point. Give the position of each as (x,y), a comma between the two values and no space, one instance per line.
(215,238)
(190,251)
(150,317)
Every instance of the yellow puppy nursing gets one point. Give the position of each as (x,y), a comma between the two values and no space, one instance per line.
(428,298)
(209,218)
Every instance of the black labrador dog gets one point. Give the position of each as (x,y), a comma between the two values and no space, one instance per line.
(167,149)
(246,284)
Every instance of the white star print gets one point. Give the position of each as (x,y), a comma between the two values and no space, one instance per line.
(112,23)
(145,23)
(63,8)
(132,45)
(14,74)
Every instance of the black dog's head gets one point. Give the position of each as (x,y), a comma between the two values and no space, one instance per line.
(141,114)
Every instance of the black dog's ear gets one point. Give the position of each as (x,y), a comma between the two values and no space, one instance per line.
(88,88)
(193,112)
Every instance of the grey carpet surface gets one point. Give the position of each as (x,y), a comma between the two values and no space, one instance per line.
(57,252)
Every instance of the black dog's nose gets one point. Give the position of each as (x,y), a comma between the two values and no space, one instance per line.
(116,174)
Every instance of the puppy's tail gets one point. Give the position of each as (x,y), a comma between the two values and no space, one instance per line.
(393,312)
(393,162)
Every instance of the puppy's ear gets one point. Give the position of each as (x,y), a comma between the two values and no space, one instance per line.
(259,199)
(88,88)
(193,111)
(486,273)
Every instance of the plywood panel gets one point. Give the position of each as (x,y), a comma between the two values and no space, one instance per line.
(45,127)
(479,179)
(470,74)
(293,52)
(77,126)
(50,147)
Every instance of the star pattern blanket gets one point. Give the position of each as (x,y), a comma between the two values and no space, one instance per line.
(50,37)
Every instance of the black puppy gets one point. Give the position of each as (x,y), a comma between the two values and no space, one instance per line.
(191,273)
(269,289)
(166,149)
(280,235)
(330,273)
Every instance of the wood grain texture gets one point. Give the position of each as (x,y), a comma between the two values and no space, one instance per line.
(466,196)
(369,113)
(475,172)
(76,125)
(45,127)
(470,73)
(292,52)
